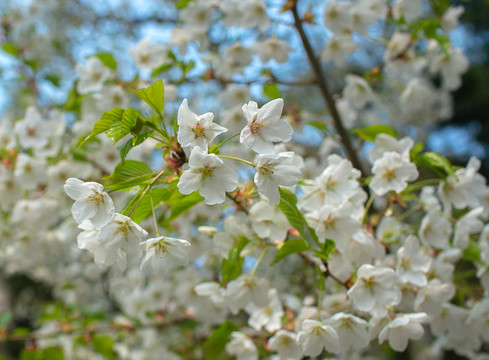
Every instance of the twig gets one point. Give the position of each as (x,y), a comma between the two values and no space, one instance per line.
(323,87)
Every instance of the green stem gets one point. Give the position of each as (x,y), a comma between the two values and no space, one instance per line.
(225,141)
(148,187)
(237,159)
(367,206)
(259,260)
(153,211)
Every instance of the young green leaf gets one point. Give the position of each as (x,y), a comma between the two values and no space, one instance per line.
(216,342)
(107,59)
(288,206)
(121,128)
(436,162)
(105,123)
(369,133)
(131,174)
(271,91)
(290,247)
(153,96)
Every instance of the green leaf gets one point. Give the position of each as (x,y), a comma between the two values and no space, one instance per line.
(271,91)
(291,247)
(153,96)
(10,48)
(161,69)
(216,342)
(188,66)
(104,345)
(131,143)
(182,203)
(74,100)
(33,64)
(53,353)
(473,253)
(30,355)
(288,206)
(436,162)
(119,129)
(107,59)
(53,79)
(415,150)
(231,267)
(5,318)
(105,123)
(131,174)
(326,251)
(144,207)
(369,133)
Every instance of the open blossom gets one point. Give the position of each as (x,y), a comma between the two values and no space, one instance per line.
(147,56)
(242,347)
(163,251)
(272,172)
(92,76)
(315,336)
(403,328)
(196,130)
(209,175)
(375,287)
(284,343)
(91,202)
(122,235)
(265,126)
(392,172)
(32,131)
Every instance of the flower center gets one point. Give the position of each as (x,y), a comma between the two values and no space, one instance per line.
(198,130)
(255,126)
(206,172)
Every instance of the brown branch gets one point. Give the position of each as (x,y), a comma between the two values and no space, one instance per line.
(326,273)
(323,87)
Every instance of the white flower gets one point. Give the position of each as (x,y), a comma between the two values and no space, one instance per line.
(358,91)
(352,331)
(253,13)
(435,230)
(385,143)
(264,126)
(392,172)
(87,240)
(430,299)
(337,16)
(30,172)
(466,225)
(32,131)
(403,328)
(408,9)
(375,287)
(315,336)
(209,175)
(163,251)
(242,347)
(196,130)
(269,316)
(412,263)
(123,235)
(449,20)
(268,222)
(245,289)
(337,48)
(284,343)
(335,223)
(92,76)
(91,202)
(273,48)
(271,172)
(147,57)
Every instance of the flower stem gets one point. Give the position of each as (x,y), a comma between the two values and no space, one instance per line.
(258,261)
(153,211)
(237,159)
(225,141)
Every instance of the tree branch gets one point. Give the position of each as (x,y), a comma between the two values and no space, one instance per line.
(323,87)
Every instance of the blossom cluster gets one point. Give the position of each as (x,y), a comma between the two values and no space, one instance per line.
(277,247)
